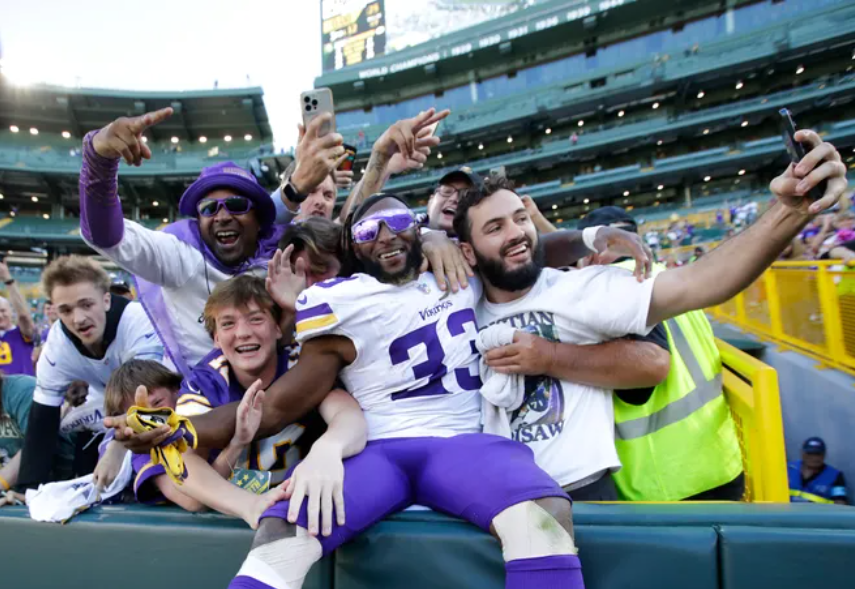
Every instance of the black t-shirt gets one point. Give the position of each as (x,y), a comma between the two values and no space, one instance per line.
(640,396)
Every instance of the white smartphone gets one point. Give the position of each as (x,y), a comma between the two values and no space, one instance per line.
(314,103)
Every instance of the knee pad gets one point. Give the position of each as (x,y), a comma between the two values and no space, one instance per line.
(526,530)
(283,563)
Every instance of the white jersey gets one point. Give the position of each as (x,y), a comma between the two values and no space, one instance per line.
(568,426)
(416,368)
(183,272)
(64,360)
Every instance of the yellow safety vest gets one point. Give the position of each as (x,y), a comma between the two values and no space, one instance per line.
(683,440)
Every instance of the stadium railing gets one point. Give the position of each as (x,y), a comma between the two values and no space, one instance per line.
(805,306)
(751,390)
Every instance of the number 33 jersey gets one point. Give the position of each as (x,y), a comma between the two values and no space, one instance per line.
(416,367)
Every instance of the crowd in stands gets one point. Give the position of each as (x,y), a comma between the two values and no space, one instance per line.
(312,373)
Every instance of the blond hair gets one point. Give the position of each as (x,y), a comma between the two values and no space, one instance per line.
(68,270)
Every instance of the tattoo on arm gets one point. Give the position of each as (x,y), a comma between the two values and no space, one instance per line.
(372,181)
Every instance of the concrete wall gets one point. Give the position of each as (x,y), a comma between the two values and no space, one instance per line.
(813,403)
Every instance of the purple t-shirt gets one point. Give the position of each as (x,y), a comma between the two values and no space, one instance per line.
(16,353)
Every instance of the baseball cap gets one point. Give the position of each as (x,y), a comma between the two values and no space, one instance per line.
(611,217)
(465,174)
(814,446)
(120,286)
(229,175)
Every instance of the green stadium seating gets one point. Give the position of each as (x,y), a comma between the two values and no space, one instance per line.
(655,546)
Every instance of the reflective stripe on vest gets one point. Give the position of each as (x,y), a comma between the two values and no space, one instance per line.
(809,496)
(704,392)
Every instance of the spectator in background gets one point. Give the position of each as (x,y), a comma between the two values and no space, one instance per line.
(814,481)
(51,317)
(96,333)
(315,245)
(16,341)
(16,398)
(442,204)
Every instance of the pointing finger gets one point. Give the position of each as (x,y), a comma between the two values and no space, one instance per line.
(149,119)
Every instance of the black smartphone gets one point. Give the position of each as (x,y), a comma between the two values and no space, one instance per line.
(797,150)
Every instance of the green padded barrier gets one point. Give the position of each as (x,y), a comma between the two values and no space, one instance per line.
(670,546)
(752,558)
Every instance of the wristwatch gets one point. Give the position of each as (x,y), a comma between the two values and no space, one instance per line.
(291,193)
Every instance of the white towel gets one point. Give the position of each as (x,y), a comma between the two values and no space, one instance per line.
(57,502)
(500,393)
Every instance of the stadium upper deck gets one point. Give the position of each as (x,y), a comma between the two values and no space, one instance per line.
(41,128)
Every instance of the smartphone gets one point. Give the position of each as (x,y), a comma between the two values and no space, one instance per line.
(347,164)
(797,150)
(314,103)
(432,128)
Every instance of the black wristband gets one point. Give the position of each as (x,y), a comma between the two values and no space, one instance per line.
(291,193)
(9,282)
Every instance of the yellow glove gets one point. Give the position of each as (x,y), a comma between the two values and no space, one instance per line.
(168,453)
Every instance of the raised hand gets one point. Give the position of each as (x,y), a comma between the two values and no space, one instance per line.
(248,415)
(316,155)
(5,274)
(283,283)
(411,138)
(618,242)
(822,162)
(123,137)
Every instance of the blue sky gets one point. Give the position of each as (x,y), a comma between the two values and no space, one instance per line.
(169,45)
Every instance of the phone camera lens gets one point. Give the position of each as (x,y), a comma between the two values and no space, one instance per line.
(308,108)
(314,103)
(306,99)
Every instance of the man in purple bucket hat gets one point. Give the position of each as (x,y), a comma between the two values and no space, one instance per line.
(229,231)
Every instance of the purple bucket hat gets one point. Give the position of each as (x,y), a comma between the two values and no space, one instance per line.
(229,175)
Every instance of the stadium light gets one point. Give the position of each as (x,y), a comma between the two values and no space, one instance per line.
(45,216)
(174,140)
(655,105)
(34,198)
(548,131)
(155,203)
(1,196)
(620,113)
(739,85)
(659,142)
(707,178)
(741,172)
(439,156)
(227,138)
(166,220)
(510,139)
(66,135)
(480,146)
(581,123)
(800,70)
(247,137)
(587,200)
(554,207)
(706,131)
(14,128)
(744,124)
(34,131)
(12,214)
(660,187)
(701,94)
(203,139)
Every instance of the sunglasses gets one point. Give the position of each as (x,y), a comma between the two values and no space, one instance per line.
(236,205)
(396,220)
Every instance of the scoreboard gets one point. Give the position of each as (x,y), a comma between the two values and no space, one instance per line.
(352,32)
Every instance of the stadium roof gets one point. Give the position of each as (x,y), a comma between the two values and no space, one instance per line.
(56,109)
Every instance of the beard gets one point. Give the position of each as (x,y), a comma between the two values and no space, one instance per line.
(402,276)
(493,269)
